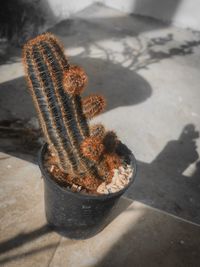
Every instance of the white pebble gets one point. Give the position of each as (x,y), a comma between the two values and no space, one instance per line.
(120,179)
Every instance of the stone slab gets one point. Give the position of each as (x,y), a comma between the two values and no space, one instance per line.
(140,236)
(25,238)
(137,235)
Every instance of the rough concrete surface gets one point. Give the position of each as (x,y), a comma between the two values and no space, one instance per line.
(136,236)
(26,240)
(149,73)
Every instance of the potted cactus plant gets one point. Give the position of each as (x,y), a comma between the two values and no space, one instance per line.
(85,168)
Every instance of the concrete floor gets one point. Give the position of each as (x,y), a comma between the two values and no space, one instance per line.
(137,235)
(149,73)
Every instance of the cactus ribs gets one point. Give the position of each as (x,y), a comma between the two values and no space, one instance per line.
(79,153)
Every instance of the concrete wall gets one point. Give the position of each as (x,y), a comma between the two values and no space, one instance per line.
(63,9)
(182,13)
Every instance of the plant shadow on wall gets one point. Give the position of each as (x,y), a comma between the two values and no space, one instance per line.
(123,44)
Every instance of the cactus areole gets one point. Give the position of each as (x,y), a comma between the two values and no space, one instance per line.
(81,157)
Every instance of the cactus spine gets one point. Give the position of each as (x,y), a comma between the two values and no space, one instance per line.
(56,88)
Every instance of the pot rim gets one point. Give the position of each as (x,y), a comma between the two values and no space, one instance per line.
(46,175)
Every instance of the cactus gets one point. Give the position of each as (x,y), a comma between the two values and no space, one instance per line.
(56,87)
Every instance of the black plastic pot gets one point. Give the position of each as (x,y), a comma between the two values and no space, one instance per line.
(77,215)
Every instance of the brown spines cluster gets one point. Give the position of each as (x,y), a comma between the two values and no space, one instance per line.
(74,80)
(97,130)
(82,151)
(93,105)
(92,148)
(100,148)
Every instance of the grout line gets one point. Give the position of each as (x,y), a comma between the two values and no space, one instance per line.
(51,259)
(164,212)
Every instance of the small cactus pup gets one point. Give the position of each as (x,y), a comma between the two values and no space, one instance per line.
(80,156)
